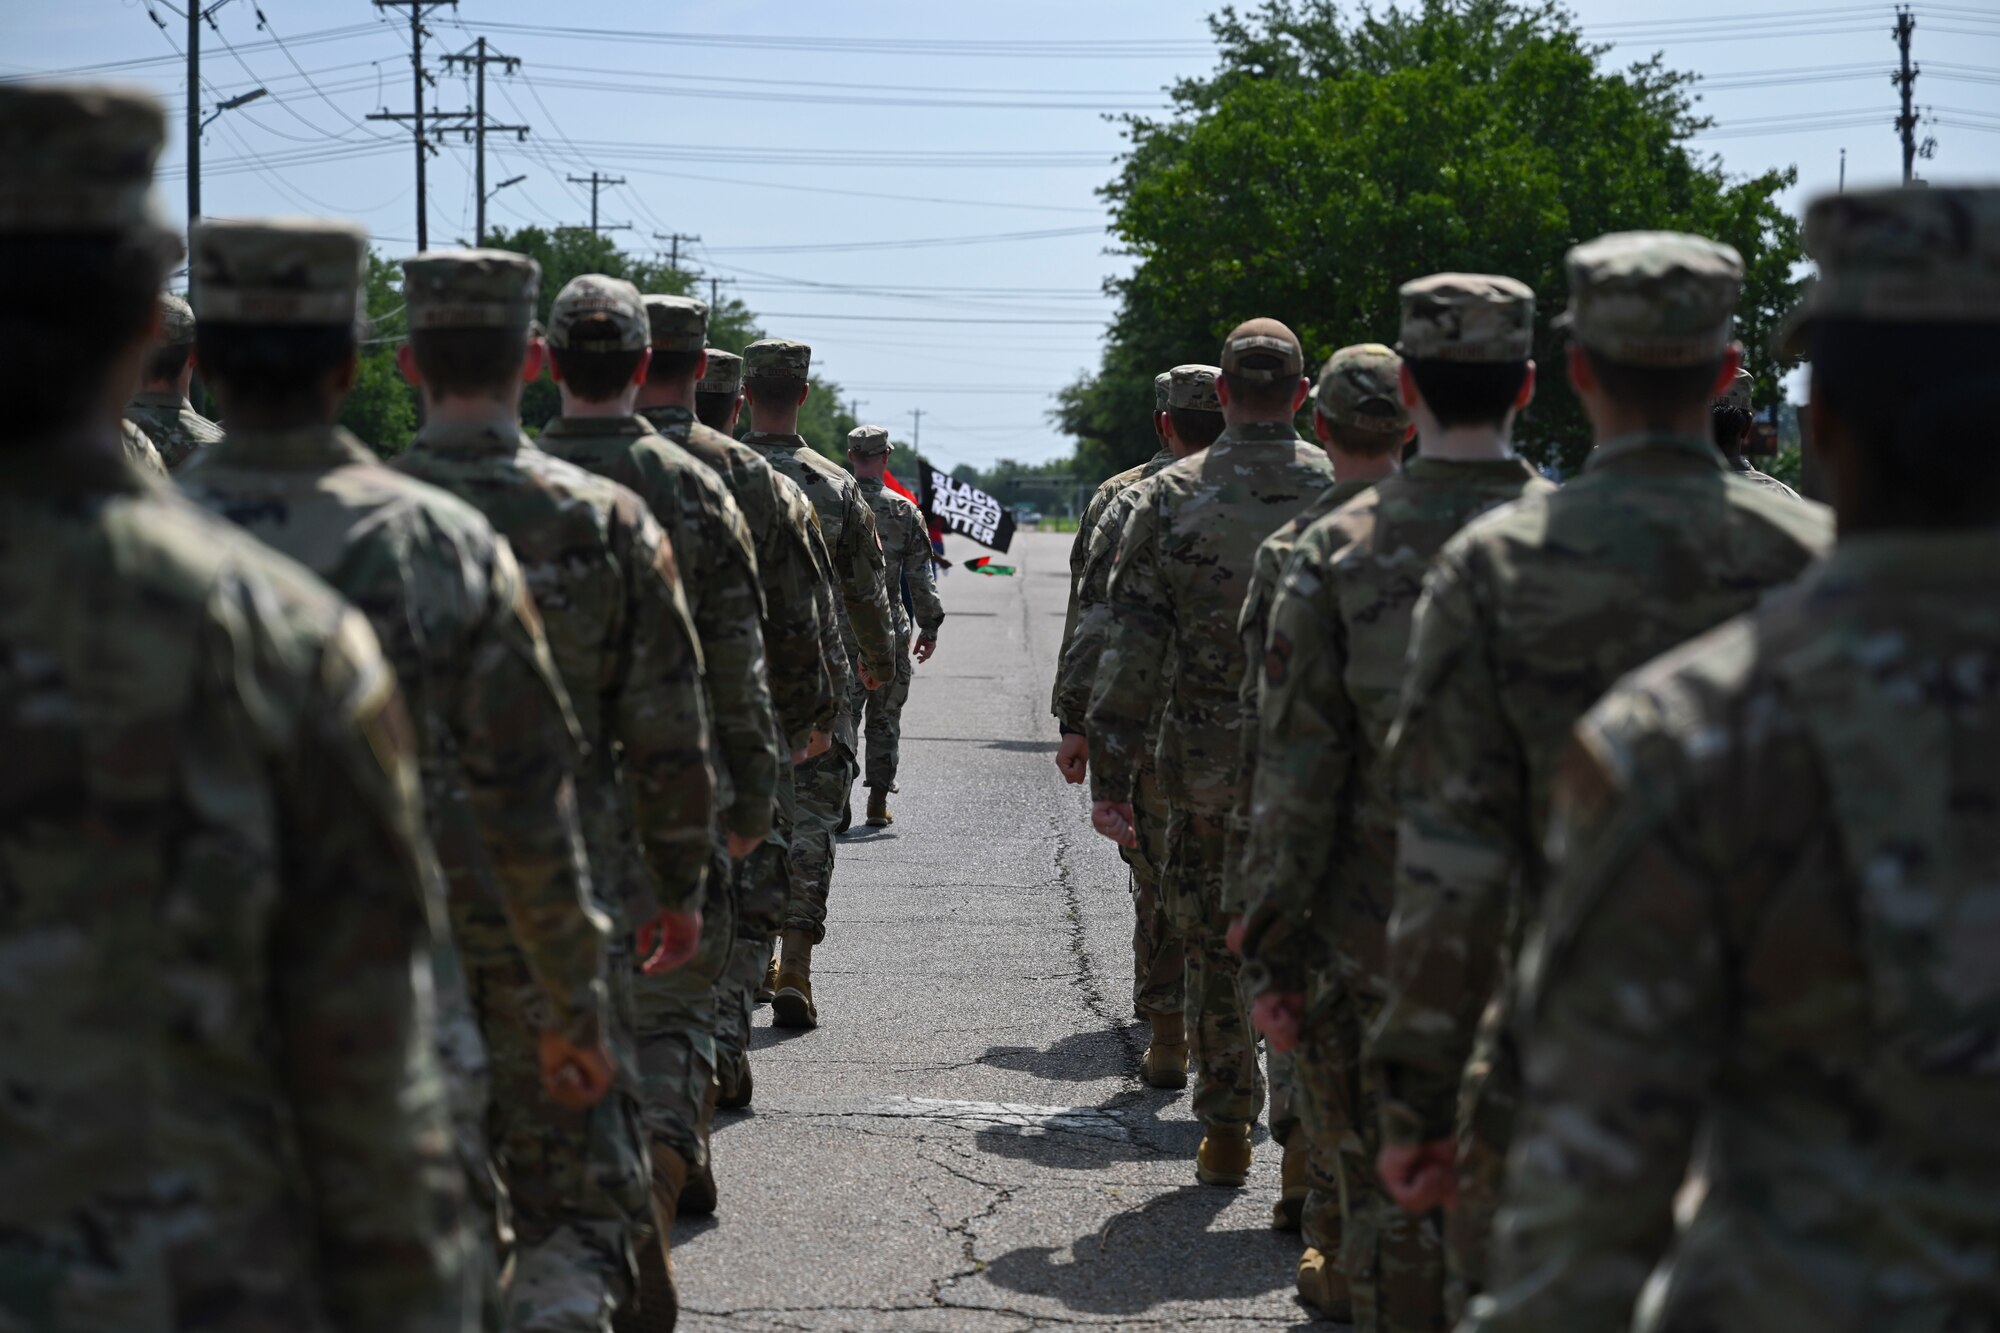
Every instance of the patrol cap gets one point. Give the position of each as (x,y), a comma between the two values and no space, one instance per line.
(78,157)
(1899,256)
(677,323)
(724,373)
(471,289)
(1360,389)
(595,313)
(1262,351)
(1738,394)
(304,272)
(1468,317)
(1192,388)
(176,321)
(777,359)
(868,441)
(1653,298)
(1160,383)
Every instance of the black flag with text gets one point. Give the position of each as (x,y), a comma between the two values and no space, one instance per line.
(965,509)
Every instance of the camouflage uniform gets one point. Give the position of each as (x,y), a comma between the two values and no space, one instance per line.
(1739,395)
(139,447)
(169,420)
(451,610)
(1769,929)
(802,697)
(1526,617)
(1183,565)
(1354,380)
(1321,859)
(224,1105)
(861,615)
(1157,968)
(677,1010)
(604,577)
(906,552)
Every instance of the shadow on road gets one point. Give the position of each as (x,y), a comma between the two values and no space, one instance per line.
(1092,1138)
(1161,1251)
(1024,747)
(1077,1058)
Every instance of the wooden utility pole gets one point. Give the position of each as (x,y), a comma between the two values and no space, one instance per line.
(1906,81)
(597,182)
(674,239)
(415,115)
(477,60)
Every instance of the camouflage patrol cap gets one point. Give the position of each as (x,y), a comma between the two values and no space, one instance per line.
(1900,256)
(1359,389)
(1467,317)
(677,323)
(1262,351)
(1653,298)
(724,373)
(610,307)
(77,157)
(1738,394)
(471,289)
(777,359)
(289,271)
(1192,388)
(1160,383)
(868,441)
(176,321)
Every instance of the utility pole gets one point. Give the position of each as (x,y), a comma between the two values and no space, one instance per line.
(597,182)
(415,115)
(1906,81)
(1843,171)
(916,428)
(194,119)
(674,239)
(477,60)
(714,293)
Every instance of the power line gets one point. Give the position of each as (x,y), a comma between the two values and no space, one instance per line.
(597,182)
(477,59)
(992,48)
(415,116)
(818,247)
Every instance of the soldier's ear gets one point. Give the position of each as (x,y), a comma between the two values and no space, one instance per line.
(406,362)
(534,360)
(1527,393)
(804,389)
(645,360)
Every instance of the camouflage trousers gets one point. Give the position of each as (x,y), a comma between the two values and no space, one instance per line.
(468,1088)
(880,712)
(1489,1100)
(1229,1087)
(823,787)
(1158,966)
(1394,1263)
(577,1181)
(676,1017)
(763,888)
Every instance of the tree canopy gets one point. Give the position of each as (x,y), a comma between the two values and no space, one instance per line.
(1329,159)
(385,412)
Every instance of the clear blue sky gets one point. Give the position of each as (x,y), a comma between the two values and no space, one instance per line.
(764,125)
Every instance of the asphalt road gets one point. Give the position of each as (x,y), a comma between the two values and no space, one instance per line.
(964,1143)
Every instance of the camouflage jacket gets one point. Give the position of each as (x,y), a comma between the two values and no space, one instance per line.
(225,1110)
(775,509)
(603,576)
(1089,577)
(1527,616)
(175,428)
(1741,467)
(1177,586)
(907,567)
(848,528)
(1273,554)
(718,564)
(839,669)
(140,449)
(1771,930)
(499,747)
(1319,864)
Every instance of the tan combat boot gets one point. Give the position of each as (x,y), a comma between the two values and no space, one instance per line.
(736,1093)
(1165,1064)
(1324,1287)
(792,1006)
(1292,1183)
(878,808)
(658,1305)
(698,1197)
(1224,1156)
(768,987)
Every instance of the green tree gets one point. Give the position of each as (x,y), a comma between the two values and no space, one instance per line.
(382,410)
(1329,159)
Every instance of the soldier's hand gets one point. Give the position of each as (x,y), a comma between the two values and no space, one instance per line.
(575,1077)
(1232,936)
(869,680)
(1073,758)
(922,649)
(668,941)
(817,744)
(1116,820)
(1420,1177)
(741,846)
(1279,1017)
